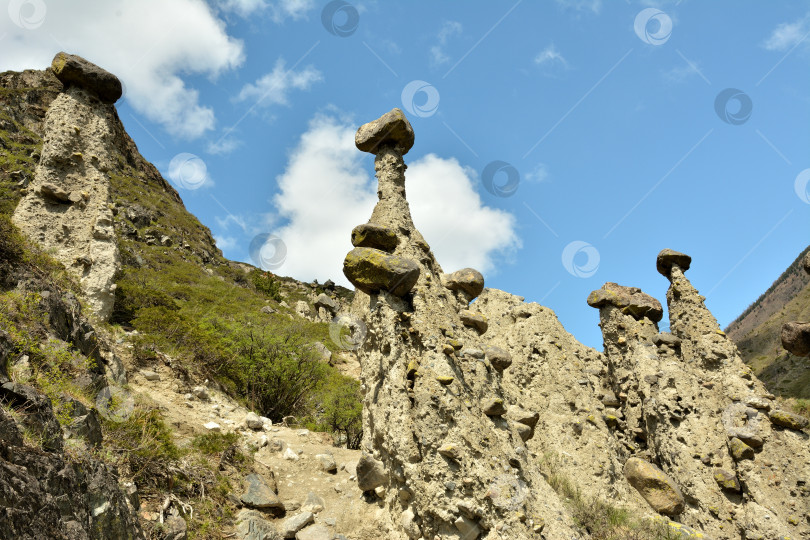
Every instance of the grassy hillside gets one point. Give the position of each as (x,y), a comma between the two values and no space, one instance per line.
(756,332)
(177,298)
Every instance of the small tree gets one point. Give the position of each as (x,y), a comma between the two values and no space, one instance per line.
(276,372)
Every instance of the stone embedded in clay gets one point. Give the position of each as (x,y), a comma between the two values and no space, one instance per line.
(655,486)
(372,271)
(474,319)
(374,236)
(468,280)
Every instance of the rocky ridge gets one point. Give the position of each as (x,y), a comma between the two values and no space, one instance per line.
(672,423)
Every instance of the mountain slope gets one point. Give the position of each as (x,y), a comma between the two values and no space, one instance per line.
(756,332)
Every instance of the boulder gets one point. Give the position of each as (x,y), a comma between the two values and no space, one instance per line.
(788,419)
(174,528)
(374,236)
(524,431)
(667,257)
(201,393)
(324,354)
(260,492)
(370,473)
(251,525)
(468,280)
(150,375)
(292,525)
(450,451)
(522,416)
(54,193)
(658,489)
(254,421)
(372,270)
(87,427)
(313,503)
(666,338)
(74,70)
(795,338)
(499,358)
(493,406)
(315,532)
(391,129)
(327,463)
(213,427)
(739,450)
(302,309)
(327,303)
(475,320)
(727,480)
(629,299)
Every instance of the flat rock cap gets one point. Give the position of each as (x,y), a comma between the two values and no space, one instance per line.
(668,257)
(391,129)
(75,70)
(629,299)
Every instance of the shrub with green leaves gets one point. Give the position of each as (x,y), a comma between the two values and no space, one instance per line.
(276,371)
(266,284)
(339,409)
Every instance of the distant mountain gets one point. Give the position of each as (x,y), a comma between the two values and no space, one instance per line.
(756,332)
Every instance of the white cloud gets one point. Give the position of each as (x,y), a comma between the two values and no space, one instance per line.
(225,242)
(679,74)
(448,30)
(550,55)
(279,10)
(149,44)
(594,6)
(223,146)
(274,87)
(327,189)
(788,35)
(538,175)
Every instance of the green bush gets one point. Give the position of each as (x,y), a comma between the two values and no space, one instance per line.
(214,443)
(11,242)
(142,444)
(339,409)
(276,371)
(134,293)
(266,284)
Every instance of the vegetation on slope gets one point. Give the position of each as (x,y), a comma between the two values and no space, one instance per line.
(757,333)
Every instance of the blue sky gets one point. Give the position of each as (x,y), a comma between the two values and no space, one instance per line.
(614,130)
